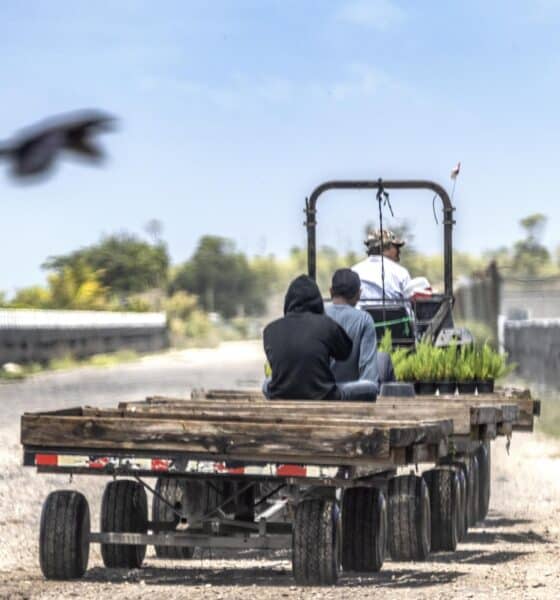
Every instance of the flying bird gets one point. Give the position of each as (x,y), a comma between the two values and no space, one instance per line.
(34,150)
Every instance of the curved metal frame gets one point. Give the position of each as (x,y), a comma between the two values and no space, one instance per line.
(413,184)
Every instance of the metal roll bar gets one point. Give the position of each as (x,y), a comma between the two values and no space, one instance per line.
(413,184)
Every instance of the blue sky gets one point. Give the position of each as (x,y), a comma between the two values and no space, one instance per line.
(232,111)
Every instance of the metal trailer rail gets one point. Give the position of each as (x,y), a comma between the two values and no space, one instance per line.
(322,478)
(396,184)
(439,315)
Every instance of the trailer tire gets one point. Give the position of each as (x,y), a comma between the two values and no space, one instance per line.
(462,528)
(364,529)
(193,497)
(472,491)
(445,504)
(316,542)
(175,492)
(409,518)
(484,480)
(463,472)
(124,508)
(64,535)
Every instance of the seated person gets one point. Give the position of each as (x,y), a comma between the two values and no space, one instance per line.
(396,277)
(300,346)
(365,369)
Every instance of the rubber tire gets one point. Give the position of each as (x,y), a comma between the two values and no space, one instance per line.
(463,471)
(472,492)
(196,497)
(409,518)
(64,535)
(316,542)
(445,507)
(462,526)
(484,479)
(124,508)
(175,492)
(364,529)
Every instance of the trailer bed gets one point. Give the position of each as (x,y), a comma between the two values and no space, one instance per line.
(239,432)
(234,470)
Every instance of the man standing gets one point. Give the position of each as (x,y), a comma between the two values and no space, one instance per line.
(394,279)
(300,346)
(365,369)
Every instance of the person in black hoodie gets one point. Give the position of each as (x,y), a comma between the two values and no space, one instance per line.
(300,346)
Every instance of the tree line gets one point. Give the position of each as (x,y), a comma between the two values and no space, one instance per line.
(124,271)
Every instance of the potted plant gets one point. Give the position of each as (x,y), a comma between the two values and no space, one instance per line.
(437,366)
(401,358)
(423,362)
(464,371)
(496,366)
(485,364)
(448,360)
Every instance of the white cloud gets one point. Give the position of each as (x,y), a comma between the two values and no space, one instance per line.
(544,11)
(375,14)
(364,81)
(358,81)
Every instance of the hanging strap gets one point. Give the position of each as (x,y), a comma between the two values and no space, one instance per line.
(392,322)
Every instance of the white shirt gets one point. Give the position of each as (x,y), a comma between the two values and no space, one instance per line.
(397,278)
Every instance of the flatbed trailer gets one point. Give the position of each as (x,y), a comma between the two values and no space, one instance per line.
(338,483)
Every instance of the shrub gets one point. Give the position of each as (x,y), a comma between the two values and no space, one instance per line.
(401,358)
(386,343)
(448,363)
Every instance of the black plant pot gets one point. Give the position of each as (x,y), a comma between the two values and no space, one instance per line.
(485,387)
(447,387)
(466,387)
(425,388)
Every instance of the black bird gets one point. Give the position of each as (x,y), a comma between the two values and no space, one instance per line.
(34,150)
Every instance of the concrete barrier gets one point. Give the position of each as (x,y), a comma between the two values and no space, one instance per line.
(535,346)
(39,335)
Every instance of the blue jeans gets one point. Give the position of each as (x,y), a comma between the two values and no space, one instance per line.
(362,390)
(385,370)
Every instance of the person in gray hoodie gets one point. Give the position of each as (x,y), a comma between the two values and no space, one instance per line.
(361,374)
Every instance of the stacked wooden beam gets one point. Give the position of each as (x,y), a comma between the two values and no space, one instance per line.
(517,406)
(315,434)
(242,425)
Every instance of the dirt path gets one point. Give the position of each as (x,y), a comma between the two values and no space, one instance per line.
(514,554)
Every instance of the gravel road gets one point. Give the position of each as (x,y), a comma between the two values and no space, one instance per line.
(514,553)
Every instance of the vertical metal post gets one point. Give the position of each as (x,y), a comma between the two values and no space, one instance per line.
(448,249)
(310,223)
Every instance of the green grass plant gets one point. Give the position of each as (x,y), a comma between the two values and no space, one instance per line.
(465,363)
(448,362)
(386,342)
(402,362)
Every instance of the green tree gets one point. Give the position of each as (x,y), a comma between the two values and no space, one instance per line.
(530,256)
(77,286)
(34,296)
(72,287)
(222,279)
(125,263)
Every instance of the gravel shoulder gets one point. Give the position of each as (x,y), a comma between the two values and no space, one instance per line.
(515,552)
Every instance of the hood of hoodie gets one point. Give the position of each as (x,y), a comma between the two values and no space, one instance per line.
(303,295)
